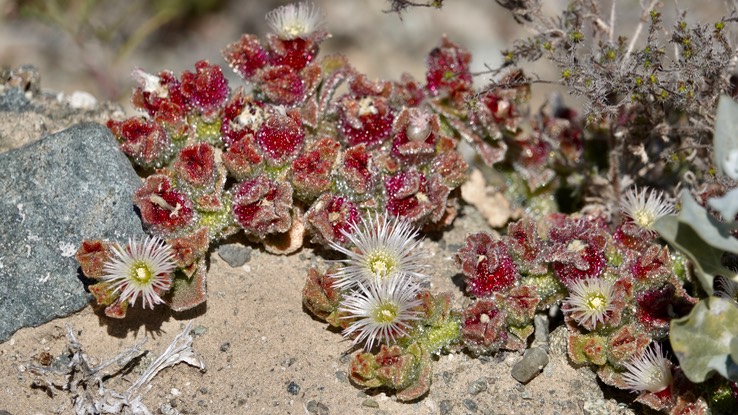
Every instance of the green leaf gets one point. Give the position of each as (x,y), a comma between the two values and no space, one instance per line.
(726,138)
(701,238)
(705,340)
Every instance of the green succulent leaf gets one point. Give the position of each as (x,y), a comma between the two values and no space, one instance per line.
(726,138)
(706,340)
(701,238)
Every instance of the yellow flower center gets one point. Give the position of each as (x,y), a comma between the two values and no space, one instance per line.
(141,273)
(596,302)
(380,263)
(644,218)
(385,313)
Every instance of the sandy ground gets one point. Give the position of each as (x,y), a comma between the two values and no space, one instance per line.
(256,340)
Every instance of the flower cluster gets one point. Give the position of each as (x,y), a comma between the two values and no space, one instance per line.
(378,296)
(618,290)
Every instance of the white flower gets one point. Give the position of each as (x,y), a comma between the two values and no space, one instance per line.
(590,300)
(644,209)
(383,248)
(140,268)
(650,372)
(294,21)
(382,309)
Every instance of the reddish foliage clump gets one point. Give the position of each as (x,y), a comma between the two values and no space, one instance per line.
(486,264)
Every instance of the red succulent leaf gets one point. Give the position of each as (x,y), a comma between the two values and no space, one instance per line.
(451,168)
(195,165)
(415,134)
(311,171)
(92,255)
(152,92)
(483,327)
(577,248)
(143,140)
(262,206)
(190,248)
(412,196)
(165,210)
(282,85)
(358,169)
(294,53)
(486,264)
(206,89)
(408,92)
(319,294)
(246,56)
(329,216)
(242,115)
(243,159)
(280,137)
(366,120)
(448,69)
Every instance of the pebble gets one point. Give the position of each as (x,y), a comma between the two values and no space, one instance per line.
(478,386)
(470,405)
(315,407)
(370,403)
(446,407)
(342,376)
(225,347)
(293,388)
(234,254)
(199,330)
(530,365)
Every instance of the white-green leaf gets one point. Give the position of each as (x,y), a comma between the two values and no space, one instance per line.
(725,154)
(705,340)
(701,238)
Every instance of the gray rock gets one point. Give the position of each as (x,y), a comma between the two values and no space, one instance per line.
(317,408)
(58,191)
(530,365)
(234,254)
(446,407)
(477,387)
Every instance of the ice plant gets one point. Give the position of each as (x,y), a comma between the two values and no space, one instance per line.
(590,300)
(381,310)
(645,209)
(294,21)
(383,248)
(651,371)
(142,268)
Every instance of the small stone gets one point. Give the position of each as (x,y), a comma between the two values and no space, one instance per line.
(293,388)
(477,386)
(315,407)
(234,254)
(199,331)
(530,365)
(288,362)
(370,403)
(204,390)
(470,405)
(446,407)
(447,376)
(342,376)
(225,347)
